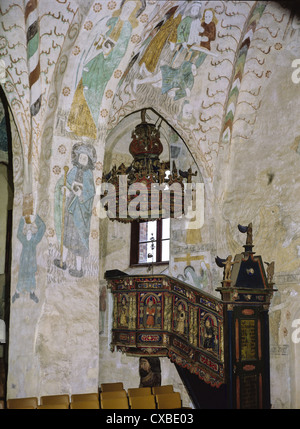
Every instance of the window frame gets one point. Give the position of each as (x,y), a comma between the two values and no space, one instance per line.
(135,242)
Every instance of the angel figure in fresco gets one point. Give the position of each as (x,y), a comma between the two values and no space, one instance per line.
(30,233)
(75,200)
(100,62)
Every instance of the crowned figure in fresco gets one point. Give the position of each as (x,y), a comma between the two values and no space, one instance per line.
(74,196)
(99,64)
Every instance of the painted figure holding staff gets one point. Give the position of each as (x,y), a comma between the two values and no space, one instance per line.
(74,196)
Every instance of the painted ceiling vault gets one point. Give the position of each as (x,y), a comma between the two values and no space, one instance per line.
(99,61)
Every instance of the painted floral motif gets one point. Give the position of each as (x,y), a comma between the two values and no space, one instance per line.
(88,25)
(97,7)
(76,50)
(56,169)
(62,149)
(66,91)
(117,74)
(109,93)
(135,38)
(111,5)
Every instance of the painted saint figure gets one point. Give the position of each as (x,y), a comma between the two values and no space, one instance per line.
(209,29)
(195,36)
(207,34)
(80,192)
(189,30)
(30,233)
(101,61)
(209,336)
(189,35)
(166,33)
(124,312)
(150,314)
(180,319)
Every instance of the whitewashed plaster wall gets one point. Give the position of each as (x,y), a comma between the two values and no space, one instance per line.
(263,186)
(242,131)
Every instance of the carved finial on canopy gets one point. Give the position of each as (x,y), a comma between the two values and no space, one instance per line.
(270,271)
(249,240)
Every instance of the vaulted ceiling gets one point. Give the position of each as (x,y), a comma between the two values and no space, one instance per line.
(102,60)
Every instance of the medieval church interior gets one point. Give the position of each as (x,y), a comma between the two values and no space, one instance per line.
(150,214)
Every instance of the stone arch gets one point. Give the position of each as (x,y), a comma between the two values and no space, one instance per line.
(15,151)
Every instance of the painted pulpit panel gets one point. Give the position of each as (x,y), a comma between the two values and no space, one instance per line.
(180,316)
(150,310)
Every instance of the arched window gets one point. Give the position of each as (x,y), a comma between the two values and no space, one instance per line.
(150,242)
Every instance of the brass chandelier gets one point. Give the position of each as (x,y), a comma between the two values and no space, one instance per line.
(146,189)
